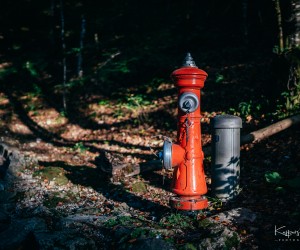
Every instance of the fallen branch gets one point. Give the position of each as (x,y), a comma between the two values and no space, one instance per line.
(266,132)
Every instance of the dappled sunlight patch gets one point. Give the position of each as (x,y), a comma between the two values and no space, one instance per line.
(75,132)
(165,86)
(3,99)
(17,127)
(48,118)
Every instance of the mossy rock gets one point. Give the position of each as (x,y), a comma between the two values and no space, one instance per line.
(56,174)
(139,187)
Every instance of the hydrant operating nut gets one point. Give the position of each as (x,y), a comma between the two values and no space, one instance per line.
(188,102)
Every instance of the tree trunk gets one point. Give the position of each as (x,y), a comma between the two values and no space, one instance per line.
(279,23)
(293,22)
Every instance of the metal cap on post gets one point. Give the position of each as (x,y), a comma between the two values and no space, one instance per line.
(189,61)
(225,156)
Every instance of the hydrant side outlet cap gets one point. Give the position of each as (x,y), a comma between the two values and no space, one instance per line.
(226,121)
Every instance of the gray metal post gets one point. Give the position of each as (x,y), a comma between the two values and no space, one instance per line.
(225,156)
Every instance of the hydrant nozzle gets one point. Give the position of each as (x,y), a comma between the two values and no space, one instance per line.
(186,156)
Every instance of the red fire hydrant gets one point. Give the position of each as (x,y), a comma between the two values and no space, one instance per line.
(186,157)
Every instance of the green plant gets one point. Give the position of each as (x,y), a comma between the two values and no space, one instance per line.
(282,184)
(121,220)
(103,102)
(111,222)
(35,92)
(248,108)
(138,232)
(219,78)
(177,220)
(135,101)
(273,177)
(292,100)
(79,146)
(291,95)
(29,66)
(215,202)
(63,114)
(6,69)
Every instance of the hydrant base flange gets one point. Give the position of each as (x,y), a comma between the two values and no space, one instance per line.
(188,203)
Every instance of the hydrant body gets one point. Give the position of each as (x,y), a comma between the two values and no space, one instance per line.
(186,157)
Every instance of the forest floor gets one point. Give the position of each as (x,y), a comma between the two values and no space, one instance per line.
(65,169)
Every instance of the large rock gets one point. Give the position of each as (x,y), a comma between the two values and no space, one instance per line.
(19,234)
(66,239)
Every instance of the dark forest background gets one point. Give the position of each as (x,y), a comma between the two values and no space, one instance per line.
(58,48)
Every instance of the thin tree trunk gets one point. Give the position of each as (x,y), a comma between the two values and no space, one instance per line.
(245,19)
(279,23)
(64,61)
(82,34)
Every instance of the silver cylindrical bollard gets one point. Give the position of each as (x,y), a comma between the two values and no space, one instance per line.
(225,156)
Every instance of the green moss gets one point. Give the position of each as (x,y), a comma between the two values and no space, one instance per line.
(205,223)
(189,246)
(54,199)
(139,187)
(56,174)
(139,232)
(111,222)
(122,220)
(177,221)
(232,241)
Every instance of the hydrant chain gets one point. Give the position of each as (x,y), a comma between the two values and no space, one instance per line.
(188,124)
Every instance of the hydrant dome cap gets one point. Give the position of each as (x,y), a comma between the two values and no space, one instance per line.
(226,121)
(189,71)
